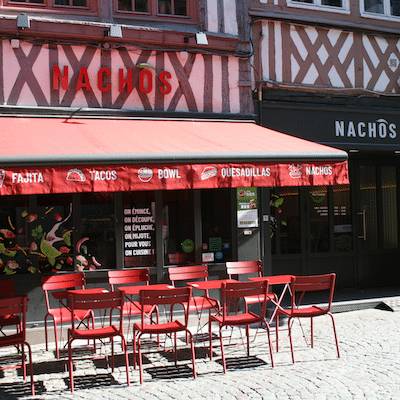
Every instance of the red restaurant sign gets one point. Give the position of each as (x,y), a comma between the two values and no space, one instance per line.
(115,178)
(143,77)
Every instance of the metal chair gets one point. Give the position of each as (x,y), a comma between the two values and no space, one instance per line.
(17,306)
(7,290)
(241,268)
(119,278)
(300,286)
(107,302)
(169,299)
(196,304)
(232,315)
(59,284)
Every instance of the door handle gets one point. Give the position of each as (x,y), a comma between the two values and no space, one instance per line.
(363,216)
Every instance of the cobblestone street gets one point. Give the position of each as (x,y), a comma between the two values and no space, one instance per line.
(368,368)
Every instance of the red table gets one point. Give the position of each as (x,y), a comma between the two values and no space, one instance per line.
(135,289)
(209,285)
(276,280)
(63,294)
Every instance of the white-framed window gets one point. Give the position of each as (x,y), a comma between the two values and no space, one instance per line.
(326,5)
(380,8)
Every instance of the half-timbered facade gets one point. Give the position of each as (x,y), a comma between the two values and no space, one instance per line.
(329,71)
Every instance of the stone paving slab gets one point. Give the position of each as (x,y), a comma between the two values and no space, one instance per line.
(369,368)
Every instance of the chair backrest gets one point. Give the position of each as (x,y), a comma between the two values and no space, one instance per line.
(166,297)
(7,288)
(16,306)
(62,282)
(243,267)
(96,301)
(301,285)
(234,293)
(127,276)
(193,272)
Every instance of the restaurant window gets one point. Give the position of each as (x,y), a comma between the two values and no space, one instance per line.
(15,249)
(216,216)
(95,245)
(163,8)
(178,227)
(318,219)
(333,5)
(285,221)
(387,8)
(71,3)
(139,229)
(342,219)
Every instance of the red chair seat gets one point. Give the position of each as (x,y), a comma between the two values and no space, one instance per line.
(172,326)
(96,333)
(198,303)
(134,308)
(238,319)
(9,320)
(304,312)
(12,339)
(259,298)
(63,314)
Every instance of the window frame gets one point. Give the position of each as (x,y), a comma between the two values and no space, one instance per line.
(316,5)
(153,14)
(386,16)
(49,6)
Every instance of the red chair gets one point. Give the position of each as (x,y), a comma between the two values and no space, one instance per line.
(107,302)
(197,303)
(60,315)
(236,268)
(7,290)
(120,278)
(300,286)
(169,298)
(17,307)
(232,295)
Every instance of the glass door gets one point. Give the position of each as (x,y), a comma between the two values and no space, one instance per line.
(376,196)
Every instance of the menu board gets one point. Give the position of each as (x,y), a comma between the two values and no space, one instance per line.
(139,232)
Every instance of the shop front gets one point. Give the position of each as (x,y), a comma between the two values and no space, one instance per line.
(118,193)
(351,229)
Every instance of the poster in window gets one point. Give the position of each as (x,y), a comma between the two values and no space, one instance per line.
(247,211)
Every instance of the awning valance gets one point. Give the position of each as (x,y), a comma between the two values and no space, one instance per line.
(52,155)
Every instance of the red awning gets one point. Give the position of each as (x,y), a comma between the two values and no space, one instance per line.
(54,155)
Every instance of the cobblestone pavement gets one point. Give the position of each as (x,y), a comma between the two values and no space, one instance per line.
(369,368)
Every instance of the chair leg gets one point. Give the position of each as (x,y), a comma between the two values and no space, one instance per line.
(334,332)
(222,349)
(193,353)
(175,350)
(124,347)
(277,332)
(94,340)
(56,339)
(210,338)
(248,340)
(30,367)
(290,338)
(140,359)
(312,332)
(23,362)
(45,333)
(134,348)
(70,366)
(112,354)
(269,343)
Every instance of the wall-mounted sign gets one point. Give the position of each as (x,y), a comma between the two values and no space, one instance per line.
(139,243)
(247,212)
(377,128)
